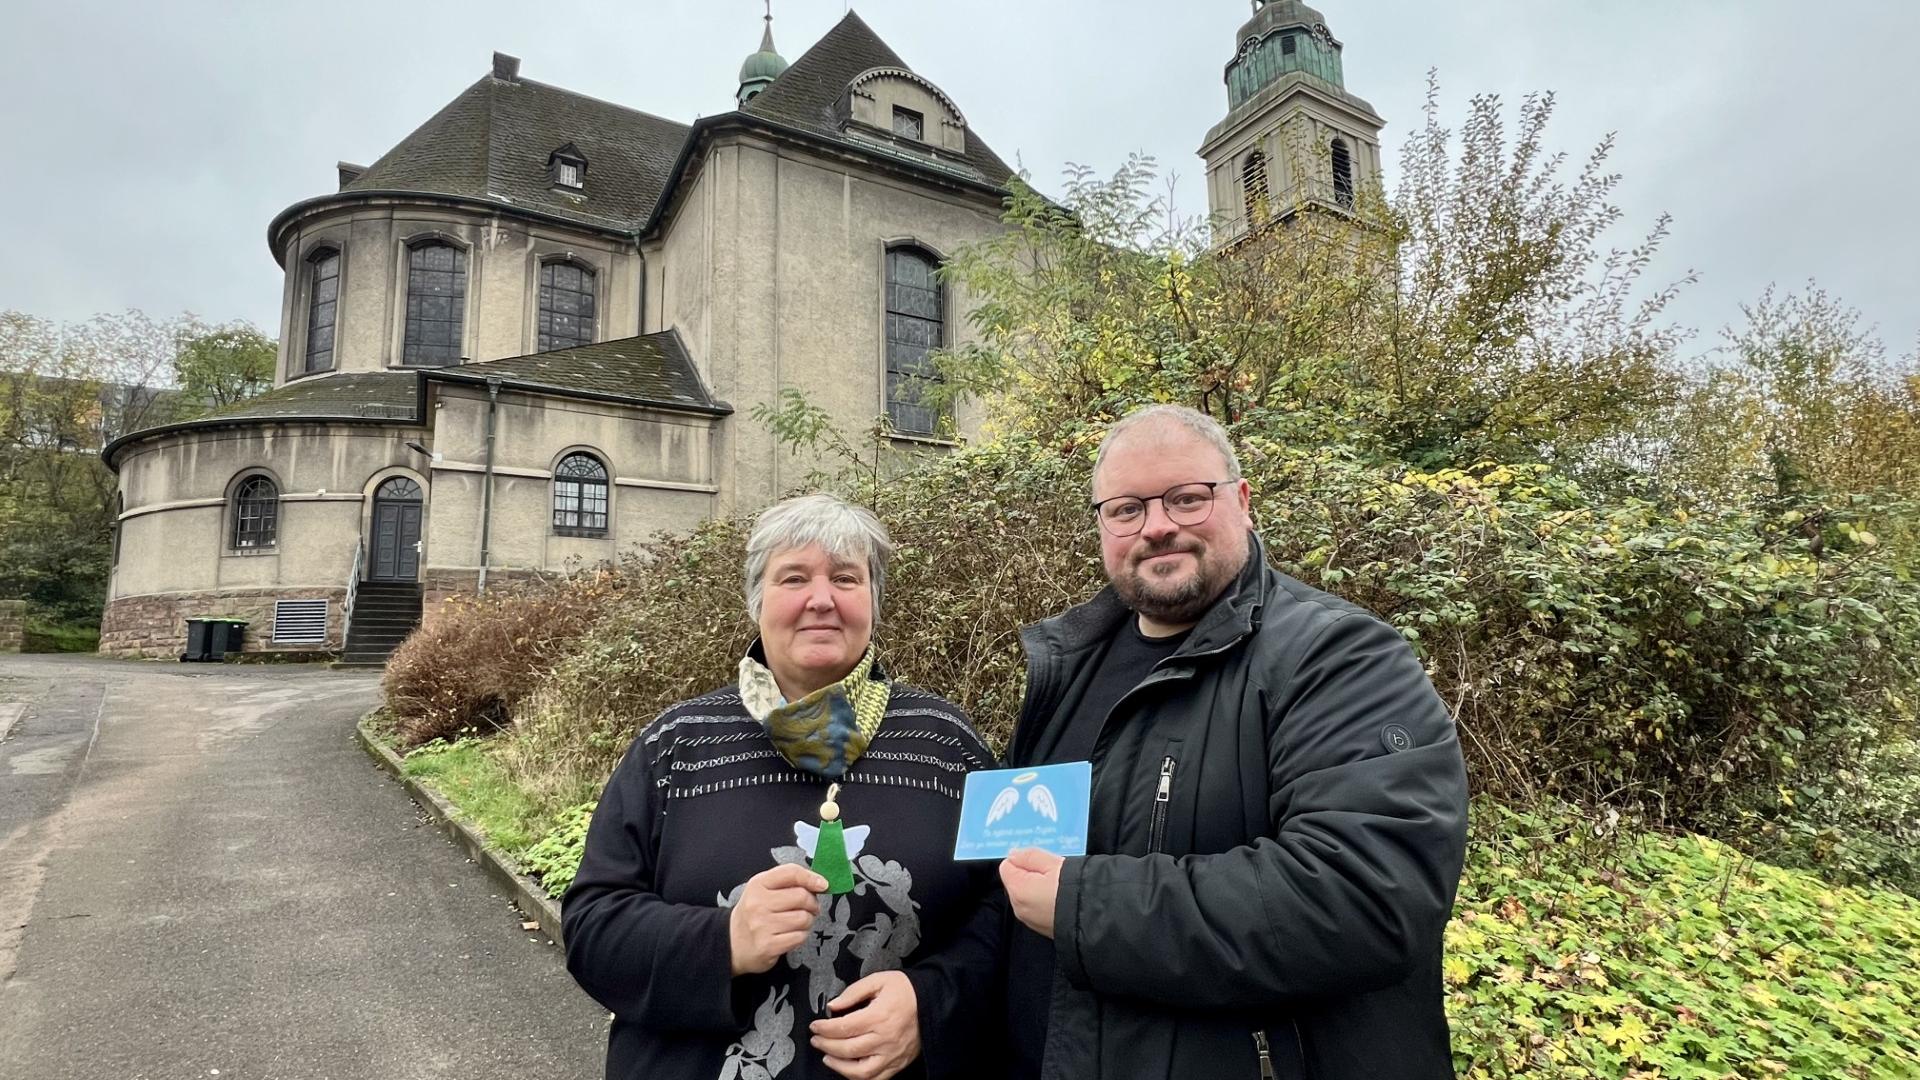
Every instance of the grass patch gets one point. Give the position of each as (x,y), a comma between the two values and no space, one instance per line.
(466,773)
(542,839)
(44,637)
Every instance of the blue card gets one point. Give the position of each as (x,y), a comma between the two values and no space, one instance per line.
(1042,808)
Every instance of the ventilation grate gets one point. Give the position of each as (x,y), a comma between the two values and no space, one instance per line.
(300,622)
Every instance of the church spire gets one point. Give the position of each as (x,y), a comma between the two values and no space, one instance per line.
(762,67)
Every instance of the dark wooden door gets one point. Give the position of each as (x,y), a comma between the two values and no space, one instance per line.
(396,541)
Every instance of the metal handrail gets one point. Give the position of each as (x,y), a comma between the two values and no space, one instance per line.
(353,589)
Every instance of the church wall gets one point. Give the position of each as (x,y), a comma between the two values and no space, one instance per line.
(659,464)
(504,256)
(176,560)
(794,250)
(680,276)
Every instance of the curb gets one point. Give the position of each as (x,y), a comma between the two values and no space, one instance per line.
(525,893)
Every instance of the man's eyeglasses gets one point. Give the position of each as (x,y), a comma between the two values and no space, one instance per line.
(1185,504)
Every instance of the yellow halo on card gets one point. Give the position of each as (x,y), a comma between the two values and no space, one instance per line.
(1026,778)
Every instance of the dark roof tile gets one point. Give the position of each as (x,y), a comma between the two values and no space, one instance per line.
(652,368)
(493,142)
(381,395)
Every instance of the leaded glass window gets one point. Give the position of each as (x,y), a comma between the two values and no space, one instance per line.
(436,304)
(323,303)
(916,326)
(256,514)
(1342,174)
(398,489)
(580,496)
(566,306)
(909,124)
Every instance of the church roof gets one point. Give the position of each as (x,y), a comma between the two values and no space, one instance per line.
(650,369)
(493,143)
(804,95)
(378,395)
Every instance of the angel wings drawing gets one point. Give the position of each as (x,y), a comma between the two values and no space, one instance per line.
(1039,797)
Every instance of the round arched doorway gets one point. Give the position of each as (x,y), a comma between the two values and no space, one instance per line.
(396,531)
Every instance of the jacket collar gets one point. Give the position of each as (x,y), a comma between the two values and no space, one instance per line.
(1235,614)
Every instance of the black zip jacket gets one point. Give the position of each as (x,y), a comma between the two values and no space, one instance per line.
(1278,825)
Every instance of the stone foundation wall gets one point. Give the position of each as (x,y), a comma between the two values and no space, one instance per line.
(13,625)
(155,627)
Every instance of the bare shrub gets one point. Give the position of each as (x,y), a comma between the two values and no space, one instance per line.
(470,667)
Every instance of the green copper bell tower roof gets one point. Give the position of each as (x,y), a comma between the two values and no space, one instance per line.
(1283,37)
(762,67)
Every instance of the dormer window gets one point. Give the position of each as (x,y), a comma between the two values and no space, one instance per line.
(567,169)
(892,103)
(909,124)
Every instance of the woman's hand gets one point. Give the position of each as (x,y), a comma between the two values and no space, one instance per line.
(878,1038)
(772,916)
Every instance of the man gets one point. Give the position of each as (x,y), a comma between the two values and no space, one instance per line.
(1279,805)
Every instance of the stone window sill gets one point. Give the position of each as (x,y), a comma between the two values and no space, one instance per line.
(915,439)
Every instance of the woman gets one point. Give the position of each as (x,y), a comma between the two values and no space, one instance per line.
(768,889)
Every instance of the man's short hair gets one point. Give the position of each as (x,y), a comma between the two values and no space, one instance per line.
(1192,421)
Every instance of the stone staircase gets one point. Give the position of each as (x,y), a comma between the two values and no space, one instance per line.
(384,613)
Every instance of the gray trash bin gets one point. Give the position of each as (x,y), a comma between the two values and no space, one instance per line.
(199,640)
(224,637)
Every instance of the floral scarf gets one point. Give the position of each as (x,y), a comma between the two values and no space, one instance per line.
(825,732)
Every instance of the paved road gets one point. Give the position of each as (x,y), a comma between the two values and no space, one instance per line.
(200,870)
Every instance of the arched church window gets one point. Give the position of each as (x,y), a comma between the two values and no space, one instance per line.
(398,489)
(916,327)
(1253,181)
(566,306)
(323,304)
(1342,174)
(436,304)
(580,496)
(256,514)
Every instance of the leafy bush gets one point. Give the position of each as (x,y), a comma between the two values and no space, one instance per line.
(677,627)
(556,857)
(469,666)
(1649,956)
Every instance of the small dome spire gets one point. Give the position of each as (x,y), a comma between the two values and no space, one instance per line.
(762,67)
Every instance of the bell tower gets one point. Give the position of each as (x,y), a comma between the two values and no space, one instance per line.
(1293,138)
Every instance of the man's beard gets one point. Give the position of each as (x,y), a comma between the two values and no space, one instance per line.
(1178,601)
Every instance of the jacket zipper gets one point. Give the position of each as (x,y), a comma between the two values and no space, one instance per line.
(1156,829)
(1266,1056)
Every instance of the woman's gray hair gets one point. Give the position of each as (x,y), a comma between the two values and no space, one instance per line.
(842,530)
(1192,421)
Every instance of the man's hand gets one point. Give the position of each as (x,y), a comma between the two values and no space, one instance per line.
(876,1039)
(1032,878)
(773,915)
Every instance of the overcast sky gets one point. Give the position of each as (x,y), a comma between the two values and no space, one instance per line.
(147,145)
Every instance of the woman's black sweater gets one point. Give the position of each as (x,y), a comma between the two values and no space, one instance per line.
(702,802)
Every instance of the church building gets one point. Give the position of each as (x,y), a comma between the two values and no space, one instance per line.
(535,332)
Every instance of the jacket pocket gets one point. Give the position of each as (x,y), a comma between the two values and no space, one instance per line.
(1162,797)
